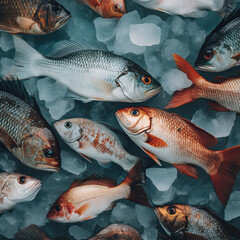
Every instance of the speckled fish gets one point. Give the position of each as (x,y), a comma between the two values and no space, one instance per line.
(23,130)
(96,141)
(88,74)
(190,8)
(86,199)
(17,188)
(173,139)
(32,16)
(224,92)
(107,8)
(194,223)
(221,49)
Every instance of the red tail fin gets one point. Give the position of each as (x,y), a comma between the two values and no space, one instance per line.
(135,180)
(224,179)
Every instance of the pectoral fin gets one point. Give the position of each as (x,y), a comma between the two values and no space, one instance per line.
(187,169)
(80,211)
(103,86)
(155,141)
(151,155)
(94,3)
(87,158)
(7,29)
(25,23)
(236,57)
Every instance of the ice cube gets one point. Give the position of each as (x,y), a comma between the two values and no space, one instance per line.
(6,41)
(150,234)
(233,208)
(79,233)
(178,25)
(6,63)
(145,216)
(7,162)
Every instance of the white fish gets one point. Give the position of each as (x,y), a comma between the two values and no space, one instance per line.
(16,188)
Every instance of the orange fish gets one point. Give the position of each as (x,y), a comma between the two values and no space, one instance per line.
(173,139)
(224,93)
(86,199)
(107,8)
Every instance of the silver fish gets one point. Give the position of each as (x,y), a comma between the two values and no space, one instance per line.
(88,74)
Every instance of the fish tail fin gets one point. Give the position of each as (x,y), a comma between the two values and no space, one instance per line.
(224,180)
(228,7)
(135,179)
(25,60)
(32,232)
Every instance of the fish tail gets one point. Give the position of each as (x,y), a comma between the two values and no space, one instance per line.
(135,179)
(228,7)
(32,232)
(25,60)
(224,180)
(189,94)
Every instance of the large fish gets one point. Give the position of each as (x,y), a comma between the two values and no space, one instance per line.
(17,188)
(86,199)
(194,223)
(112,232)
(224,92)
(173,139)
(221,49)
(23,130)
(32,16)
(190,8)
(96,141)
(107,8)
(88,74)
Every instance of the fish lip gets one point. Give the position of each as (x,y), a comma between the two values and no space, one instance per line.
(204,67)
(66,18)
(48,167)
(153,90)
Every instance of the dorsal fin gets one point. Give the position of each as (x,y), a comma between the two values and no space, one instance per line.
(220,79)
(233,231)
(204,137)
(94,180)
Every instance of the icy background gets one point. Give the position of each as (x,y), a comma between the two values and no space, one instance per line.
(149,38)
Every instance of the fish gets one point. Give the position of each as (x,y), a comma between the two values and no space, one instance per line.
(107,8)
(15,188)
(221,49)
(223,93)
(88,74)
(93,140)
(112,232)
(87,198)
(24,131)
(190,8)
(32,16)
(198,223)
(176,140)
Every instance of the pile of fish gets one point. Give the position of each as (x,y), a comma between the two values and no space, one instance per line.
(90,73)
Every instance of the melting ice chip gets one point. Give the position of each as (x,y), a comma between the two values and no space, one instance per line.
(78,233)
(145,216)
(233,208)
(146,34)
(162,178)
(150,234)
(220,126)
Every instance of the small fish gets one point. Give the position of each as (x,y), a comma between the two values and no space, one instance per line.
(32,16)
(221,49)
(190,8)
(86,199)
(17,188)
(24,131)
(173,139)
(224,92)
(96,141)
(194,223)
(107,8)
(88,74)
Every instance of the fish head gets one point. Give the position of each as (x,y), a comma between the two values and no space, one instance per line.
(19,187)
(51,16)
(41,150)
(134,120)
(138,85)
(113,8)
(214,57)
(173,218)
(69,130)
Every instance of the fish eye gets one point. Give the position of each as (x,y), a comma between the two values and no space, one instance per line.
(171,210)
(56,8)
(135,112)
(48,152)
(67,124)
(57,208)
(146,80)
(116,7)
(22,180)
(209,54)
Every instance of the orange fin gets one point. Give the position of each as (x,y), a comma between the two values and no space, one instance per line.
(82,209)
(87,158)
(187,169)
(151,155)
(94,3)
(155,141)
(25,23)
(93,180)
(88,218)
(191,236)
(217,107)
(7,29)
(236,57)
(224,180)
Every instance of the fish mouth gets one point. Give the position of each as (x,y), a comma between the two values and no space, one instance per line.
(206,68)
(152,92)
(64,20)
(49,167)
